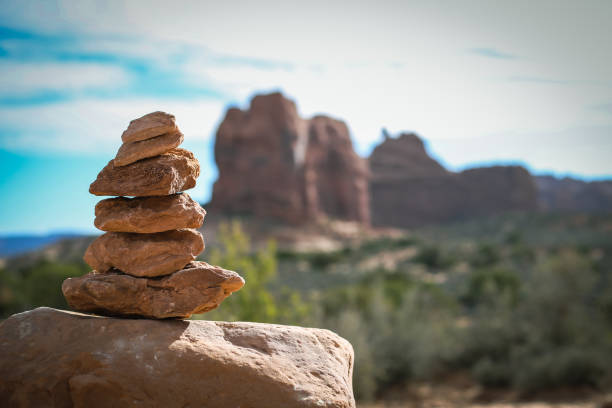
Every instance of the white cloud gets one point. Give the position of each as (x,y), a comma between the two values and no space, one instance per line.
(90,126)
(578,150)
(403,65)
(20,77)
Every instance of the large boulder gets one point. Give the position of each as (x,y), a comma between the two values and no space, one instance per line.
(53,358)
(409,188)
(274,164)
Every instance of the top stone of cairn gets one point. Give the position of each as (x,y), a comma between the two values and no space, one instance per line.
(149,126)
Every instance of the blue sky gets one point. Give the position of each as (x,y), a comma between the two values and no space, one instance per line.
(483,82)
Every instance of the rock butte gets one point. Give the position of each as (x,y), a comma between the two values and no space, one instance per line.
(409,188)
(197,288)
(149,126)
(149,214)
(52,358)
(274,164)
(168,173)
(149,255)
(134,151)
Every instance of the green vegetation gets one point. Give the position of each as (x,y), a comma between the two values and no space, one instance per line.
(36,285)
(522,302)
(259,303)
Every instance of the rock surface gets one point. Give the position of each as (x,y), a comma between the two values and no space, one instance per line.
(408,188)
(197,288)
(571,195)
(53,358)
(274,164)
(149,126)
(148,214)
(169,173)
(133,151)
(144,254)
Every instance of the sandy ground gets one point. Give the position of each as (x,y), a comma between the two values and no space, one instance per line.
(447,404)
(460,392)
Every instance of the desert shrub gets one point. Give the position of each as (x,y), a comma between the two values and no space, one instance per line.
(429,256)
(256,301)
(485,255)
(556,367)
(367,369)
(386,243)
(323,259)
(553,335)
(36,285)
(489,285)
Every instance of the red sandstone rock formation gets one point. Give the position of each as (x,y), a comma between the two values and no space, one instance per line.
(571,195)
(409,188)
(274,164)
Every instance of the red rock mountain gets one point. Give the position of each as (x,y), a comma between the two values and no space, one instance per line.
(409,188)
(568,194)
(274,164)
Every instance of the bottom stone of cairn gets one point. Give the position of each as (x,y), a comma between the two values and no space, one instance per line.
(197,288)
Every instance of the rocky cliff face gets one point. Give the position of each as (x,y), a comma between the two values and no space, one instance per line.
(274,164)
(568,194)
(409,188)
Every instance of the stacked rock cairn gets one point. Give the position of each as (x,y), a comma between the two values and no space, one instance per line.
(144,264)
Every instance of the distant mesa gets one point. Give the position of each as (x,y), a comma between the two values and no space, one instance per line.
(409,188)
(569,194)
(274,164)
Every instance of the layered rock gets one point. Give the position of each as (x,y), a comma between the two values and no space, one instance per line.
(408,188)
(149,255)
(52,358)
(133,151)
(571,195)
(143,265)
(274,164)
(148,214)
(149,126)
(169,173)
(197,288)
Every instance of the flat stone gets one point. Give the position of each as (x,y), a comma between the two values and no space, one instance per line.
(149,214)
(144,254)
(149,126)
(134,151)
(53,358)
(169,173)
(197,288)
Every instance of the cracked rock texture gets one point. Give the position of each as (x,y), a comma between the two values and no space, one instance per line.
(169,173)
(197,288)
(149,126)
(134,151)
(144,254)
(53,358)
(149,214)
